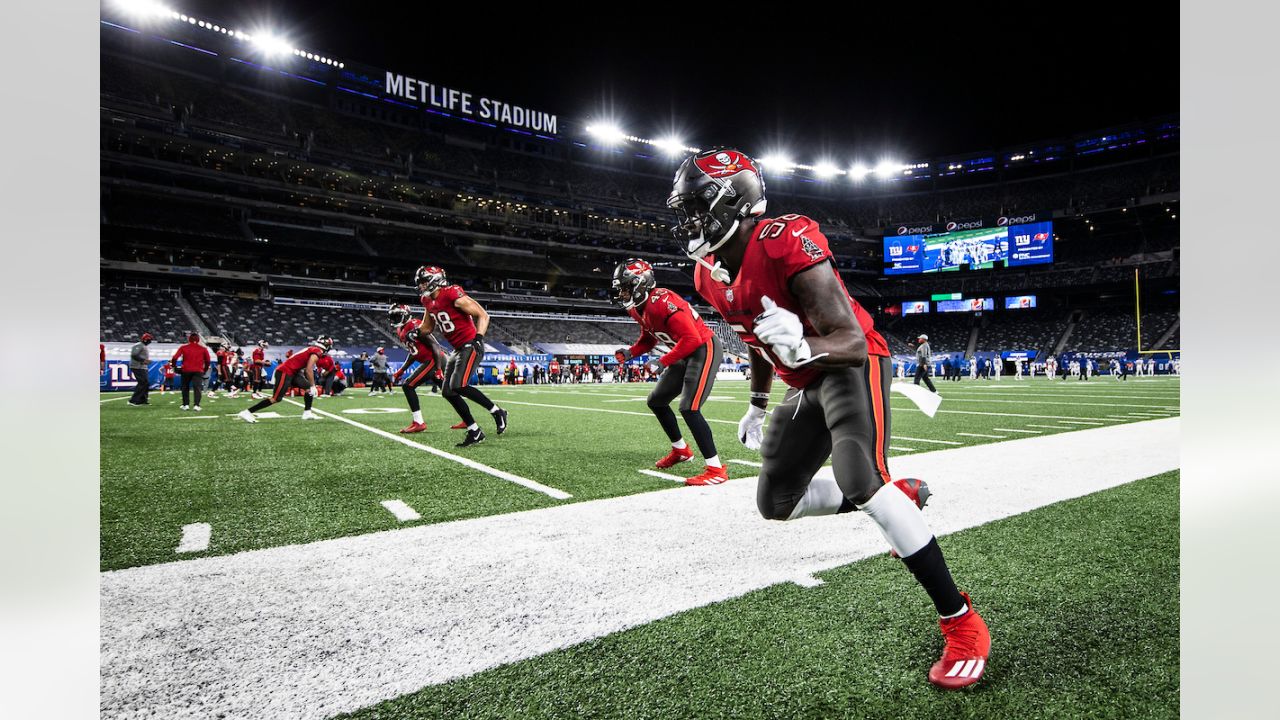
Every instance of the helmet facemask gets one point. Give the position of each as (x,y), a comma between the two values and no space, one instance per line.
(632,282)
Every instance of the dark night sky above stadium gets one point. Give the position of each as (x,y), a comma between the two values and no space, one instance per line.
(918,91)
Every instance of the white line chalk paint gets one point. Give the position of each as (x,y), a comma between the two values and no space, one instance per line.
(403,512)
(195,538)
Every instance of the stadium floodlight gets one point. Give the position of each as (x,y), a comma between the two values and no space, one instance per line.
(272,44)
(887,167)
(670,145)
(143,8)
(777,162)
(825,170)
(858,172)
(607,133)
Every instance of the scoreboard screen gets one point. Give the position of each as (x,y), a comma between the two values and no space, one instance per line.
(966,305)
(1019,302)
(915,307)
(1010,246)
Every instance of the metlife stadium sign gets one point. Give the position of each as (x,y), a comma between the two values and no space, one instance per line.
(465,104)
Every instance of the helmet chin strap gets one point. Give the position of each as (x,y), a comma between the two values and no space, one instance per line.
(717,272)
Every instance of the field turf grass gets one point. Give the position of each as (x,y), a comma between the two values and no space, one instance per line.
(285,481)
(1081,597)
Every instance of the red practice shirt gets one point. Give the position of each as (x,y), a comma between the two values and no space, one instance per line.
(778,250)
(298,360)
(193,357)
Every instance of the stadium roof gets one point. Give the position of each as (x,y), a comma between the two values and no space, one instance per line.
(909,90)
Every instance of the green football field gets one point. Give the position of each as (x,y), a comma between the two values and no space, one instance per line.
(1080,587)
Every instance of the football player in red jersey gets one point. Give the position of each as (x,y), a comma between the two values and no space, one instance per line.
(689,366)
(259,374)
(463,322)
(423,350)
(774,282)
(299,371)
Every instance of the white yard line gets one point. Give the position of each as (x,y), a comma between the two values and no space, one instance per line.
(1053,427)
(195,417)
(901,449)
(122,397)
(311,631)
(981,435)
(750,463)
(403,512)
(603,410)
(925,440)
(500,474)
(660,474)
(1015,430)
(195,538)
(1081,422)
(952,398)
(912,408)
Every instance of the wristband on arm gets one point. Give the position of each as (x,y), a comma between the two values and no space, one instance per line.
(760,399)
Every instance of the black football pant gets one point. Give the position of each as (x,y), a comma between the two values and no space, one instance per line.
(426,371)
(691,379)
(922,373)
(192,381)
(285,383)
(142,387)
(844,415)
(457,383)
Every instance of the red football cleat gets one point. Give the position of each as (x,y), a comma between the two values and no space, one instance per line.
(675,456)
(964,658)
(710,476)
(415,427)
(460,426)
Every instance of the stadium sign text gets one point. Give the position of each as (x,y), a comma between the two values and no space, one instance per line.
(464,103)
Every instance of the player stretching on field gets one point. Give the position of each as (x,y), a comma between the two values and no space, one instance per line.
(299,371)
(423,350)
(690,363)
(774,282)
(463,322)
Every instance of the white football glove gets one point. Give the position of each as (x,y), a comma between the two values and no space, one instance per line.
(751,428)
(311,391)
(781,329)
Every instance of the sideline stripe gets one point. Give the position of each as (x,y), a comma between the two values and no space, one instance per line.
(500,474)
(195,538)
(191,638)
(926,440)
(605,410)
(664,476)
(982,435)
(403,512)
(1014,430)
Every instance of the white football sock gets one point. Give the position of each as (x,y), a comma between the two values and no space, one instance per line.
(473,427)
(714,461)
(417,416)
(822,497)
(679,444)
(963,609)
(900,521)
(495,409)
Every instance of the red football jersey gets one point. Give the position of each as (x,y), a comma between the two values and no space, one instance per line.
(410,336)
(458,327)
(298,360)
(259,356)
(778,249)
(669,319)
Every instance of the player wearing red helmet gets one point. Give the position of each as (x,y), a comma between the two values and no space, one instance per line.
(774,282)
(450,310)
(298,371)
(688,367)
(424,351)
